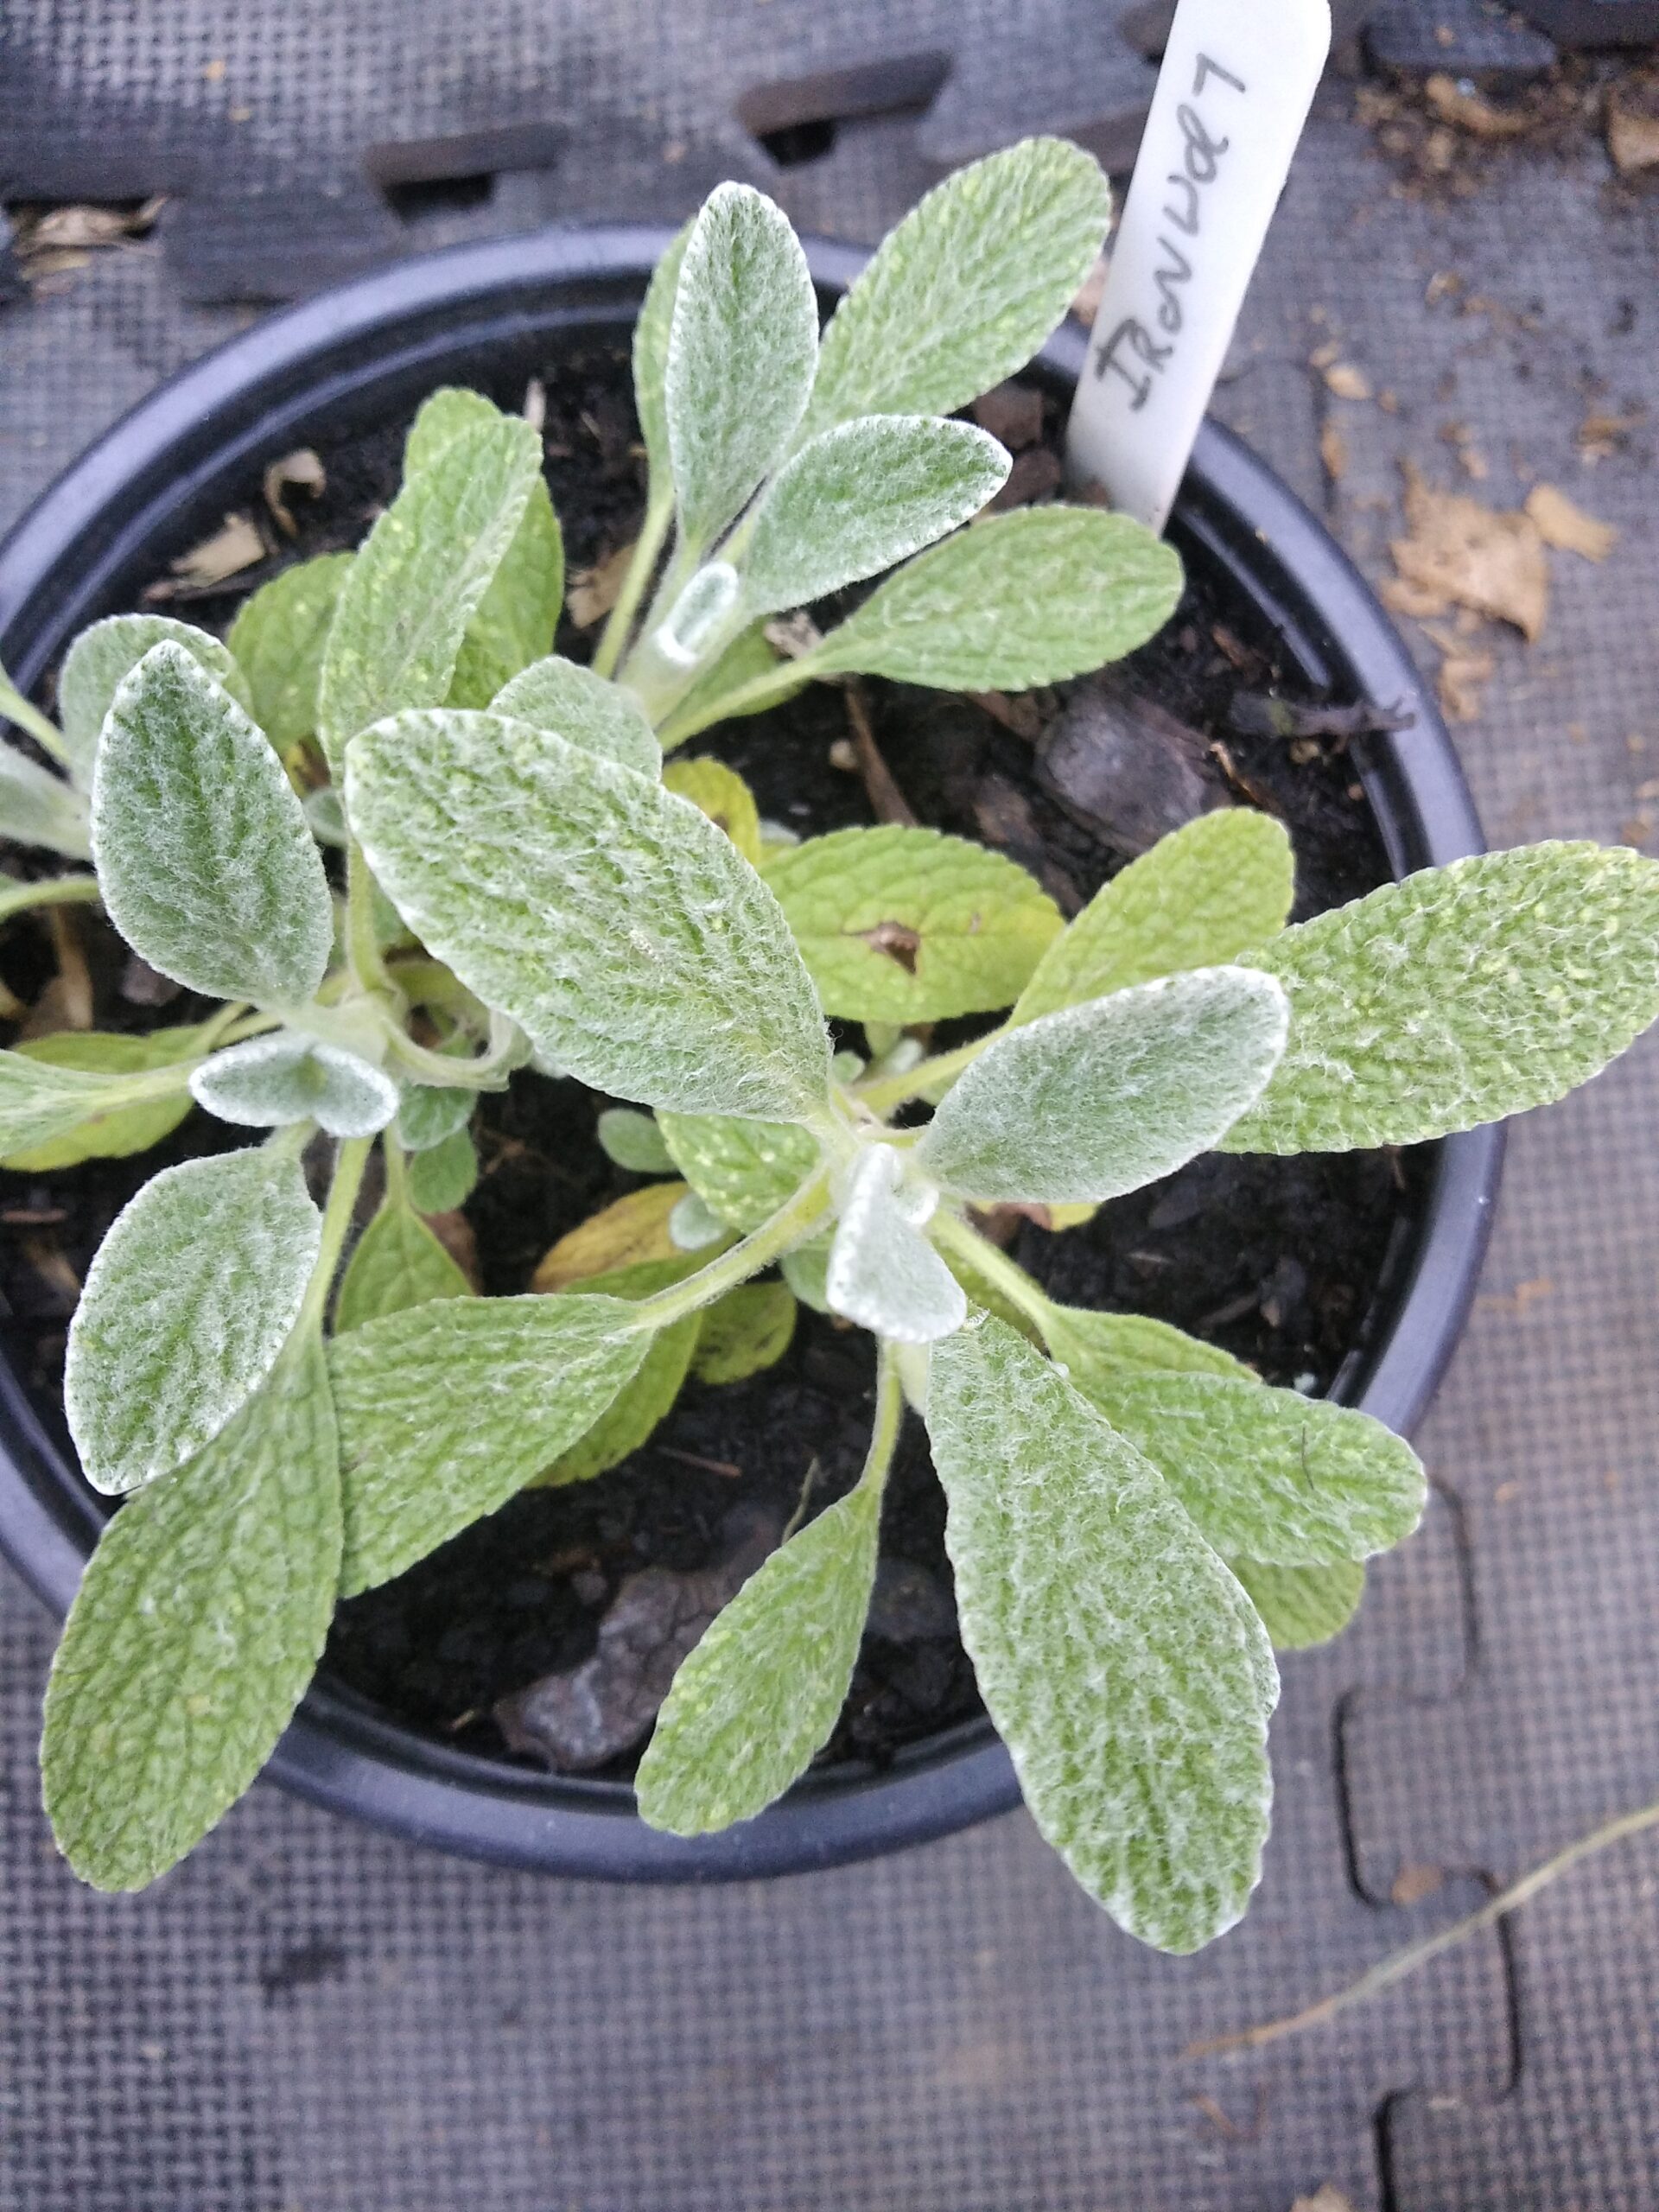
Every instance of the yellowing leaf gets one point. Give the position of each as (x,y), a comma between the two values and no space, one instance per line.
(721,794)
(622,1235)
(745,1333)
(114,1132)
(903,924)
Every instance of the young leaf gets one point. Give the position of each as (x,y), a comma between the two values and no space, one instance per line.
(1200,897)
(968,287)
(447,1409)
(610,919)
(901,924)
(583,710)
(1100,1350)
(445,1175)
(427,1113)
(278,640)
(190,1298)
(762,1690)
(397,1263)
(198,1625)
(410,594)
(632,1415)
(745,1333)
(37,808)
(441,419)
(1101,1099)
(859,497)
(743,345)
(721,794)
(515,620)
(1301,1606)
(1269,1475)
(44,1104)
(693,1226)
(1022,599)
(883,1273)
(1124,1666)
(101,660)
(651,337)
(1460,996)
(634,1140)
(806,1270)
(630,1233)
(117,1131)
(271,1081)
(749,654)
(744,1170)
(207,867)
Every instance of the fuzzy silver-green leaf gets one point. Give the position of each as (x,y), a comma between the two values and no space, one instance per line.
(650,336)
(186,1306)
(1269,1474)
(277,640)
(271,1081)
(102,656)
(584,709)
(1025,598)
(198,1625)
(967,287)
(761,1691)
(205,862)
(1100,1099)
(1460,996)
(742,346)
(1098,1350)
(860,497)
(117,1130)
(902,925)
(445,1175)
(613,922)
(415,583)
(37,808)
(447,1409)
(883,1273)
(744,1170)
(1201,897)
(1302,1606)
(397,1263)
(1122,1664)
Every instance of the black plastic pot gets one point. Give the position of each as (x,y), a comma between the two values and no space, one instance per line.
(350,359)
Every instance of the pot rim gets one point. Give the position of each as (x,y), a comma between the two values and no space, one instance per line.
(234,405)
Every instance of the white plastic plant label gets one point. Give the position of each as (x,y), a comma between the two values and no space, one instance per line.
(1238,81)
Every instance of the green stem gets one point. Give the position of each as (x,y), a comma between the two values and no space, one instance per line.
(255,1025)
(349,1164)
(50,891)
(760,691)
(1401,1963)
(788,1227)
(489,1072)
(889,1415)
(952,1234)
(362,945)
(889,1092)
(397,1169)
(659,513)
(28,716)
(430,983)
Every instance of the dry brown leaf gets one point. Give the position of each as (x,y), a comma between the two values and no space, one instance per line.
(1328,2198)
(1493,562)
(1567,528)
(81,225)
(303,470)
(592,592)
(1601,435)
(1347,381)
(1401,596)
(534,410)
(1415,1883)
(1632,137)
(1465,671)
(793,636)
(235,546)
(1322,356)
(1469,112)
(1333,452)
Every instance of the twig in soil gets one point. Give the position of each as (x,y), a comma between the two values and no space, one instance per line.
(729,1468)
(1258,714)
(887,802)
(1401,1963)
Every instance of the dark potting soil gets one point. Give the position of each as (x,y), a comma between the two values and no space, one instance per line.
(1286,1262)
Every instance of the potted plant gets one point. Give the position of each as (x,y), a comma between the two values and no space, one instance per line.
(1135,1515)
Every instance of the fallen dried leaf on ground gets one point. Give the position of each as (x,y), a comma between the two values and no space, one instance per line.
(1469,112)
(1632,137)
(1460,553)
(1567,528)
(303,471)
(1466,669)
(1333,452)
(1601,436)
(1329,2198)
(592,592)
(1347,381)
(234,546)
